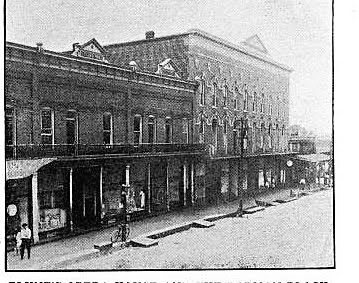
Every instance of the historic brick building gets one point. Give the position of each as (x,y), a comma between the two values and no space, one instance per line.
(183,119)
(241,108)
(78,127)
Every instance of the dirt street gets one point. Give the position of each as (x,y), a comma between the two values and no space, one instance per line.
(291,235)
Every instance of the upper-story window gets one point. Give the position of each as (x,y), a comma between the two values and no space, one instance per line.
(202,93)
(168,130)
(225,96)
(151,129)
(283,130)
(278,107)
(245,102)
(270,106)
(254,101)
(47,126)
(185,130)
(215,132)
(236,98)
(201,130)
(107,128)
(214,95)
(262,103)
(9,126)
(137,129)
(71,127)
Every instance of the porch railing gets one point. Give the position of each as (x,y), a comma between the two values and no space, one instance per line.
(56,150)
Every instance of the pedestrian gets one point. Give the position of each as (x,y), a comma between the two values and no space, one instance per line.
(18,241)
(302,184)
(143,198)
(25,241)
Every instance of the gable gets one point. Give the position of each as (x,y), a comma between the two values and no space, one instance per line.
(168,67)
(91,50)
(256,43)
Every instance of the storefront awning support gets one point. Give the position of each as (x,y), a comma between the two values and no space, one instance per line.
(35,208)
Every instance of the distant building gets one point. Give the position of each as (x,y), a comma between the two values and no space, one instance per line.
(300,141)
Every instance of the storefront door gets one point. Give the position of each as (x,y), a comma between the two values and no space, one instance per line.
(85,197)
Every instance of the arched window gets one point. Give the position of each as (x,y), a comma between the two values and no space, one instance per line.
(151,129)
(107,128)
(278,107)
(168,130)
(270,106)
(245,102)
(71,127)
(225,96)
(201,130)
(236,98)
(214,95)
(137,129)
(262,103)
(215,132)
(203,92)
(254,101)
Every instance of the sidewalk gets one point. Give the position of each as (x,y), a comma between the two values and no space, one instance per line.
(50,252)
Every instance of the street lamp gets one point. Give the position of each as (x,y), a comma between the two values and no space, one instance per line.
(289,164)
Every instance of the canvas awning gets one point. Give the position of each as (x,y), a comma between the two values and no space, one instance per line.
(17,169)
(317,157)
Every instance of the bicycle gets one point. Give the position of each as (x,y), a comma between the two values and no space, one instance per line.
(116,236)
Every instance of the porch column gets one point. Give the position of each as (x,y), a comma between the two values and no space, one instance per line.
(35,208)
(127,183)
(71,188)
(184,184)
(167,188)
(101,192)
(149,187)
(192,184)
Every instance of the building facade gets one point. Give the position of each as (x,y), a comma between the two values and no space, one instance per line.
(182,120)
(79,127)
(241,109)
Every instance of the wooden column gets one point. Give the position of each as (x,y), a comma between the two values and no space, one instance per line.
(167,187)
(35,208)
(192,184)
(101,192)
(149,187)
(127,182)
(184,184)
(70,196)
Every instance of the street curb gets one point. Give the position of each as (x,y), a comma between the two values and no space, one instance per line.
(93,253)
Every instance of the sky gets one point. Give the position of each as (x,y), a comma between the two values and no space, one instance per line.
(296,33)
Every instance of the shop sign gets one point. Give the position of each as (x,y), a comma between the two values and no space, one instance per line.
(51,219)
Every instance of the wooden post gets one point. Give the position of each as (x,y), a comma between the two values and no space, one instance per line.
(35,208)
(71,188)
(101,192)
(192,184)
(167,187)
(149,187)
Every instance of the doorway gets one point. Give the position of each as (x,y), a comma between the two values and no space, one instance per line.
(86,197)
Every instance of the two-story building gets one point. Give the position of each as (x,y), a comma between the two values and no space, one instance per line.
(78,127)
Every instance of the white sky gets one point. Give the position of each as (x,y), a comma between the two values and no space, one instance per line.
(296,33)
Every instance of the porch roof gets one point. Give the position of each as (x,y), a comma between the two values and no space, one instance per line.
(316,157)
(17,169)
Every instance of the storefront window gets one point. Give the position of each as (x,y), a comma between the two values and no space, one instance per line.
(52,201)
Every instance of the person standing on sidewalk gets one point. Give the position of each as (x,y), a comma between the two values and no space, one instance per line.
(25,241)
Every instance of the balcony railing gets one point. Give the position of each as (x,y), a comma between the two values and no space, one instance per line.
(57,150)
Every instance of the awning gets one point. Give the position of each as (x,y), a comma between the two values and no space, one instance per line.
(17,169)
(316,157)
